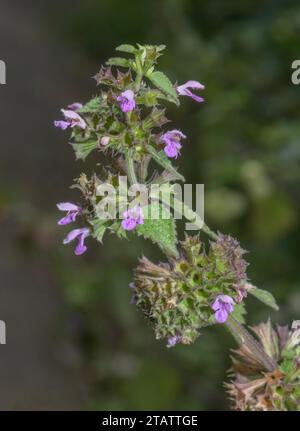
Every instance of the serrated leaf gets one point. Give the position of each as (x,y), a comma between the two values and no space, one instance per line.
(83,149)
(161,158)
(162,82)
(239,312)
(99,228)
(160,230)
(118,61)
(118,230)
(264,296)
(125,47)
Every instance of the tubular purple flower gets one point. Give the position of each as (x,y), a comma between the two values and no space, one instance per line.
(223,305)
(81,234)
(172,341)
(172,141)
(72,119)
(72,212)
(126,101)
(132,217)
(184,90)
(75,106)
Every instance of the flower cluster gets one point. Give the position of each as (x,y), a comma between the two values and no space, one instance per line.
(256,389)
(195,290)
(124,121)
(198,286)
(72,212)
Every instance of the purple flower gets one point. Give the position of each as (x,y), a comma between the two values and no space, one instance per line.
(75,106)
(184,90)
(126,100)
(172,341)
(72,119)
(172,141)
(132,217)
(81,234)
(223,305)
(72,212)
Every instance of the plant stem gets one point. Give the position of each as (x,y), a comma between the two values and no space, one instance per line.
(195,218)
(138,80)
(130,168)
(244,338)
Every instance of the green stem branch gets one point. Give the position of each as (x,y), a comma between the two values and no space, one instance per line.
(130,168)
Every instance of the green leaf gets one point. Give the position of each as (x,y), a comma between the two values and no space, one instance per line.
(160,230)
(239,312)
(161,158)
(118,61)
(91,106)
(162,82)
(126,48)
(265,297)
(99,227)
(118,230)
(83,149)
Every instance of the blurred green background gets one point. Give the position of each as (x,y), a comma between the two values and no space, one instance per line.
(74,341)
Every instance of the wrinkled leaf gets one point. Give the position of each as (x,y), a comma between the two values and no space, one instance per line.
(83,149)
(160,230)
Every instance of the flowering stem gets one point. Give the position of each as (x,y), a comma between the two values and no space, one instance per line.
(244,338)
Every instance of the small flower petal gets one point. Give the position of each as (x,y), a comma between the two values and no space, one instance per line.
(172,141)
(75,106)
(126,100)
(62,124)
(72,235)
(67,206)
(221,316)
(128,224)
(172,341)
(184,90)
(132,217)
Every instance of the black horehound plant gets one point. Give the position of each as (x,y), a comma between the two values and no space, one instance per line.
(198,285)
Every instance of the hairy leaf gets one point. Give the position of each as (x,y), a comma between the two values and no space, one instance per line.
(99,227)
(158,228)
(83,149)
(162,82)
(264,296)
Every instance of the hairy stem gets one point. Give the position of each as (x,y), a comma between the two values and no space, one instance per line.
(244,338)
(193,217)
(130,168)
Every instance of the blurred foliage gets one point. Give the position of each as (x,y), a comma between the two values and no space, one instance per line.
(243,144)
